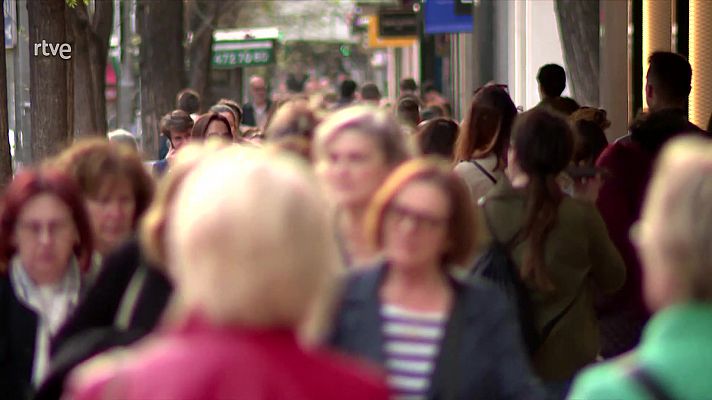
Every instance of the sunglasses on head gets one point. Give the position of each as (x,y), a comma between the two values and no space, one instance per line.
(488,85)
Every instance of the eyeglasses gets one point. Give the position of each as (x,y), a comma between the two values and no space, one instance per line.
(35,229)
(491,84)
(398,214)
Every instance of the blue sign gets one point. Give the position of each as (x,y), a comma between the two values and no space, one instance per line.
(440,17)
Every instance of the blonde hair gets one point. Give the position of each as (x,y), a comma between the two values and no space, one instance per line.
(679,200)
(258,251)
(153,223)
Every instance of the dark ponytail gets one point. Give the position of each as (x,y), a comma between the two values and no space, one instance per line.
(544,146)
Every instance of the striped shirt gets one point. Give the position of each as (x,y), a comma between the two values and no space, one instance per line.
(412,341)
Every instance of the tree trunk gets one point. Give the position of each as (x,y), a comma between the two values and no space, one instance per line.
(579,26)
(203,16)
(91,42)
(127,85)
(48,78)
(5,156)
(162,65)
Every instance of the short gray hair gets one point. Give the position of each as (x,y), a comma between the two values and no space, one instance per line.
(679,199)
(368,121)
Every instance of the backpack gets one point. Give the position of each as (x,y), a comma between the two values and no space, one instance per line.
(496,266)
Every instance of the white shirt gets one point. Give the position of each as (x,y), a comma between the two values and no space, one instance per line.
(478,183)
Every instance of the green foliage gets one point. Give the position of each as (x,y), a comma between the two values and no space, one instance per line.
(73,3)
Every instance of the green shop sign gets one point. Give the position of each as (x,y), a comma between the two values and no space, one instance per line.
(242,53)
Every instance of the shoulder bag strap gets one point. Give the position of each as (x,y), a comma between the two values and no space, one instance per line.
(643,378)
(484,171)
(551,324)
(130,298)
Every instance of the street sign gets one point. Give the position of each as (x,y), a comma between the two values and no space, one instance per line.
(440,17)
(248,53)
(397,23)
(375,41)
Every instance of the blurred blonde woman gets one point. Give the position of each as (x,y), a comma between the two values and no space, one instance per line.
(673,240)
(354,150)
(239,303)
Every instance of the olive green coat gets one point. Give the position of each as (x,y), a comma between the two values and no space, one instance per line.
(579,259)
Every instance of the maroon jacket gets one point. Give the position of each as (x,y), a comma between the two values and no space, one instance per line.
(201,361)
(629,163)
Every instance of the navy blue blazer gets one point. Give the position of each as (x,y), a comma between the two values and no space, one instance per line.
(481,339)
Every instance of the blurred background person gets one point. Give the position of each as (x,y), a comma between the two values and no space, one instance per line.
(45,249)
(672,239)
(370,94)
(408,112)
(123,137)
(481,146)
(629,164)
(292,128)
(560,246)
(176,126)
(347,92)
(212,124)
(230,115)
(437,136)
(116,187)
(239,304)
(408,86)
(432,111)
(188,101)
(354,151)
(237,132)
(255,111)
(435,336)
(552,82)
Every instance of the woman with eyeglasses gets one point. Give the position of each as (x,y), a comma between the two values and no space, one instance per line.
(560,246)
(673,241)
(45,248)
(481,147)
(436,337)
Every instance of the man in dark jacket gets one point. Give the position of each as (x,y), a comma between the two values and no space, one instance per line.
(552,82)
(255,112)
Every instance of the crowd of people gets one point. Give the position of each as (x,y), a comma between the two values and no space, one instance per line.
(351,248)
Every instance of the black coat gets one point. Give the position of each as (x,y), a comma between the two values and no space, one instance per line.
(248,113)
(18,331)
(90,330)
(482,355)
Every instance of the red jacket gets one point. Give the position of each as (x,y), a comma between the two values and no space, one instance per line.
(201,361)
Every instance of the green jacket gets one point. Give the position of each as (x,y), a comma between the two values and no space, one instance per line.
(676,349)
(580,258)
